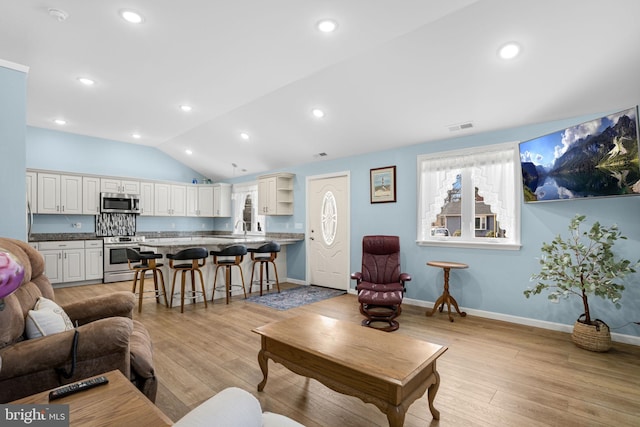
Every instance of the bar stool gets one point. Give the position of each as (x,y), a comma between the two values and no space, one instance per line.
(147,262)
(264,255)
(195,256)
(237,252)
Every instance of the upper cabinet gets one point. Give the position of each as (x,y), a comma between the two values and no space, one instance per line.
(275,194)
(109,185)
(59,194)
(170,199)
(146,198)
(222,200)
(32,192)
(90,195)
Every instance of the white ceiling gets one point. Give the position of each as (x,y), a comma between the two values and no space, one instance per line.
(395,73)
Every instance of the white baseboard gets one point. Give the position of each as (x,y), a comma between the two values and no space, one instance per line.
(626,339)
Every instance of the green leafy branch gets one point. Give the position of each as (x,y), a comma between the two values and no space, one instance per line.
(582,264)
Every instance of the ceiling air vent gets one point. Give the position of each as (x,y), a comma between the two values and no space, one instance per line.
(316,156)
(460,126)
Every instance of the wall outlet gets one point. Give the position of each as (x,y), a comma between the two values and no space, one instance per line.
(76,225)
(202,225)
(298,226)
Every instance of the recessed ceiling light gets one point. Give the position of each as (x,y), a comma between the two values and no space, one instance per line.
(189,152)
(509,50)
(136,135)
(186,108)
(60,122)
(58,14)
(86,81)
(317,113)
(327,25)
(244,135)
(131,16)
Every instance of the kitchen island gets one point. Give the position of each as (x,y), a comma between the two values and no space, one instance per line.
(166,246)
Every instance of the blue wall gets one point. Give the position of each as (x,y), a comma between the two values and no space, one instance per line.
(495,279)
(13,95)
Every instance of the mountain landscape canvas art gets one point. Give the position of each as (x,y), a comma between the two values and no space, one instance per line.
(598,158)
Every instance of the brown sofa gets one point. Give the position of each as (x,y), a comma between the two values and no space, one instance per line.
(108,338)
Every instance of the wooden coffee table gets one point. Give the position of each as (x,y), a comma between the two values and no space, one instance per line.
(117,403)
(388,370)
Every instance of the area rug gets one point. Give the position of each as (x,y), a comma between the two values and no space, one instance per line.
(295,297)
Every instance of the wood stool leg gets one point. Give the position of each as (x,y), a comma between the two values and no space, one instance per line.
(155,285)
(141,293)
(261,275)
(182,285)
(135,282)
(275,270)
(253,269)
(242,278)
(164,290)
(204,292)
(173,287)
(227,281)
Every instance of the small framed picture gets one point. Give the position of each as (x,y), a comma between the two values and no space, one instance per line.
(383,185)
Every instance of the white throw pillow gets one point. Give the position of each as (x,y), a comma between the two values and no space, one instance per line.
(46,318)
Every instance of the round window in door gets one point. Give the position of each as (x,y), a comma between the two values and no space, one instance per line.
(329,218)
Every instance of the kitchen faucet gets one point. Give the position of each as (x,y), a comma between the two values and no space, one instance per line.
(244,226)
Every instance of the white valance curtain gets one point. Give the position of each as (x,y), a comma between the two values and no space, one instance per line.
(238,199)
(492,172)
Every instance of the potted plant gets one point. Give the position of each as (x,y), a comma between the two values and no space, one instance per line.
(584,264)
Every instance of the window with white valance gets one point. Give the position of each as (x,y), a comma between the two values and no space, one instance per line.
(244,198)
(470,197)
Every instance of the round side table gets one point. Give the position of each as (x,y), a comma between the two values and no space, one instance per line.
(446,297)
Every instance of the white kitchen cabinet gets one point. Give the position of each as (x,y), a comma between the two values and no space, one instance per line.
(64,260)
(93,258)
(170,199)
(222,200)
(192,200)
(90,195)
(113,185)
(275,194)
(200,200)
(205,200)
(32,191)
(146,198)
(59,194)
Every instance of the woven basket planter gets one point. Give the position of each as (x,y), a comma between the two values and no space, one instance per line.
(592,337)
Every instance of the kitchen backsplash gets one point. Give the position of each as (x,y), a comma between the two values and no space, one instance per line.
(115,224)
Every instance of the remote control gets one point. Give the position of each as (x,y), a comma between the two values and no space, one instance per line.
(76,387)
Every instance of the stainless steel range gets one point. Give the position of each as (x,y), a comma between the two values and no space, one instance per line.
(116,268)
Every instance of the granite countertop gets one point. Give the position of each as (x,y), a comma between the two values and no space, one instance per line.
(218,242)
(190,236)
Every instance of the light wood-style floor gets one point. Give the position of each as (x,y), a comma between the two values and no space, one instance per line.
(494,373)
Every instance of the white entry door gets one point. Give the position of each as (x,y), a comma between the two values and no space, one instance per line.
(328,231)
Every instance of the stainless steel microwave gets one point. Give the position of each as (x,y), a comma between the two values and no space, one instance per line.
(119,203)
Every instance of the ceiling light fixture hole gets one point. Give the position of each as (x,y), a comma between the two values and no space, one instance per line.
(509,50)
(58,14)
(327,25)
(131,16)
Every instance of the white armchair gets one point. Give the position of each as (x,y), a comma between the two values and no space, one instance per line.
(233,407)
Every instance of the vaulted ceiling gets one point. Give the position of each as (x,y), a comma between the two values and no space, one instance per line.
(393,73)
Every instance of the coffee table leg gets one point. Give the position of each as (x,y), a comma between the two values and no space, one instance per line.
(262,361)
(433,389)
(395,416)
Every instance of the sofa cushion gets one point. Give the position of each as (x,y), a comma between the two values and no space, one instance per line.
(141,349)
(232,407)
(46,318)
